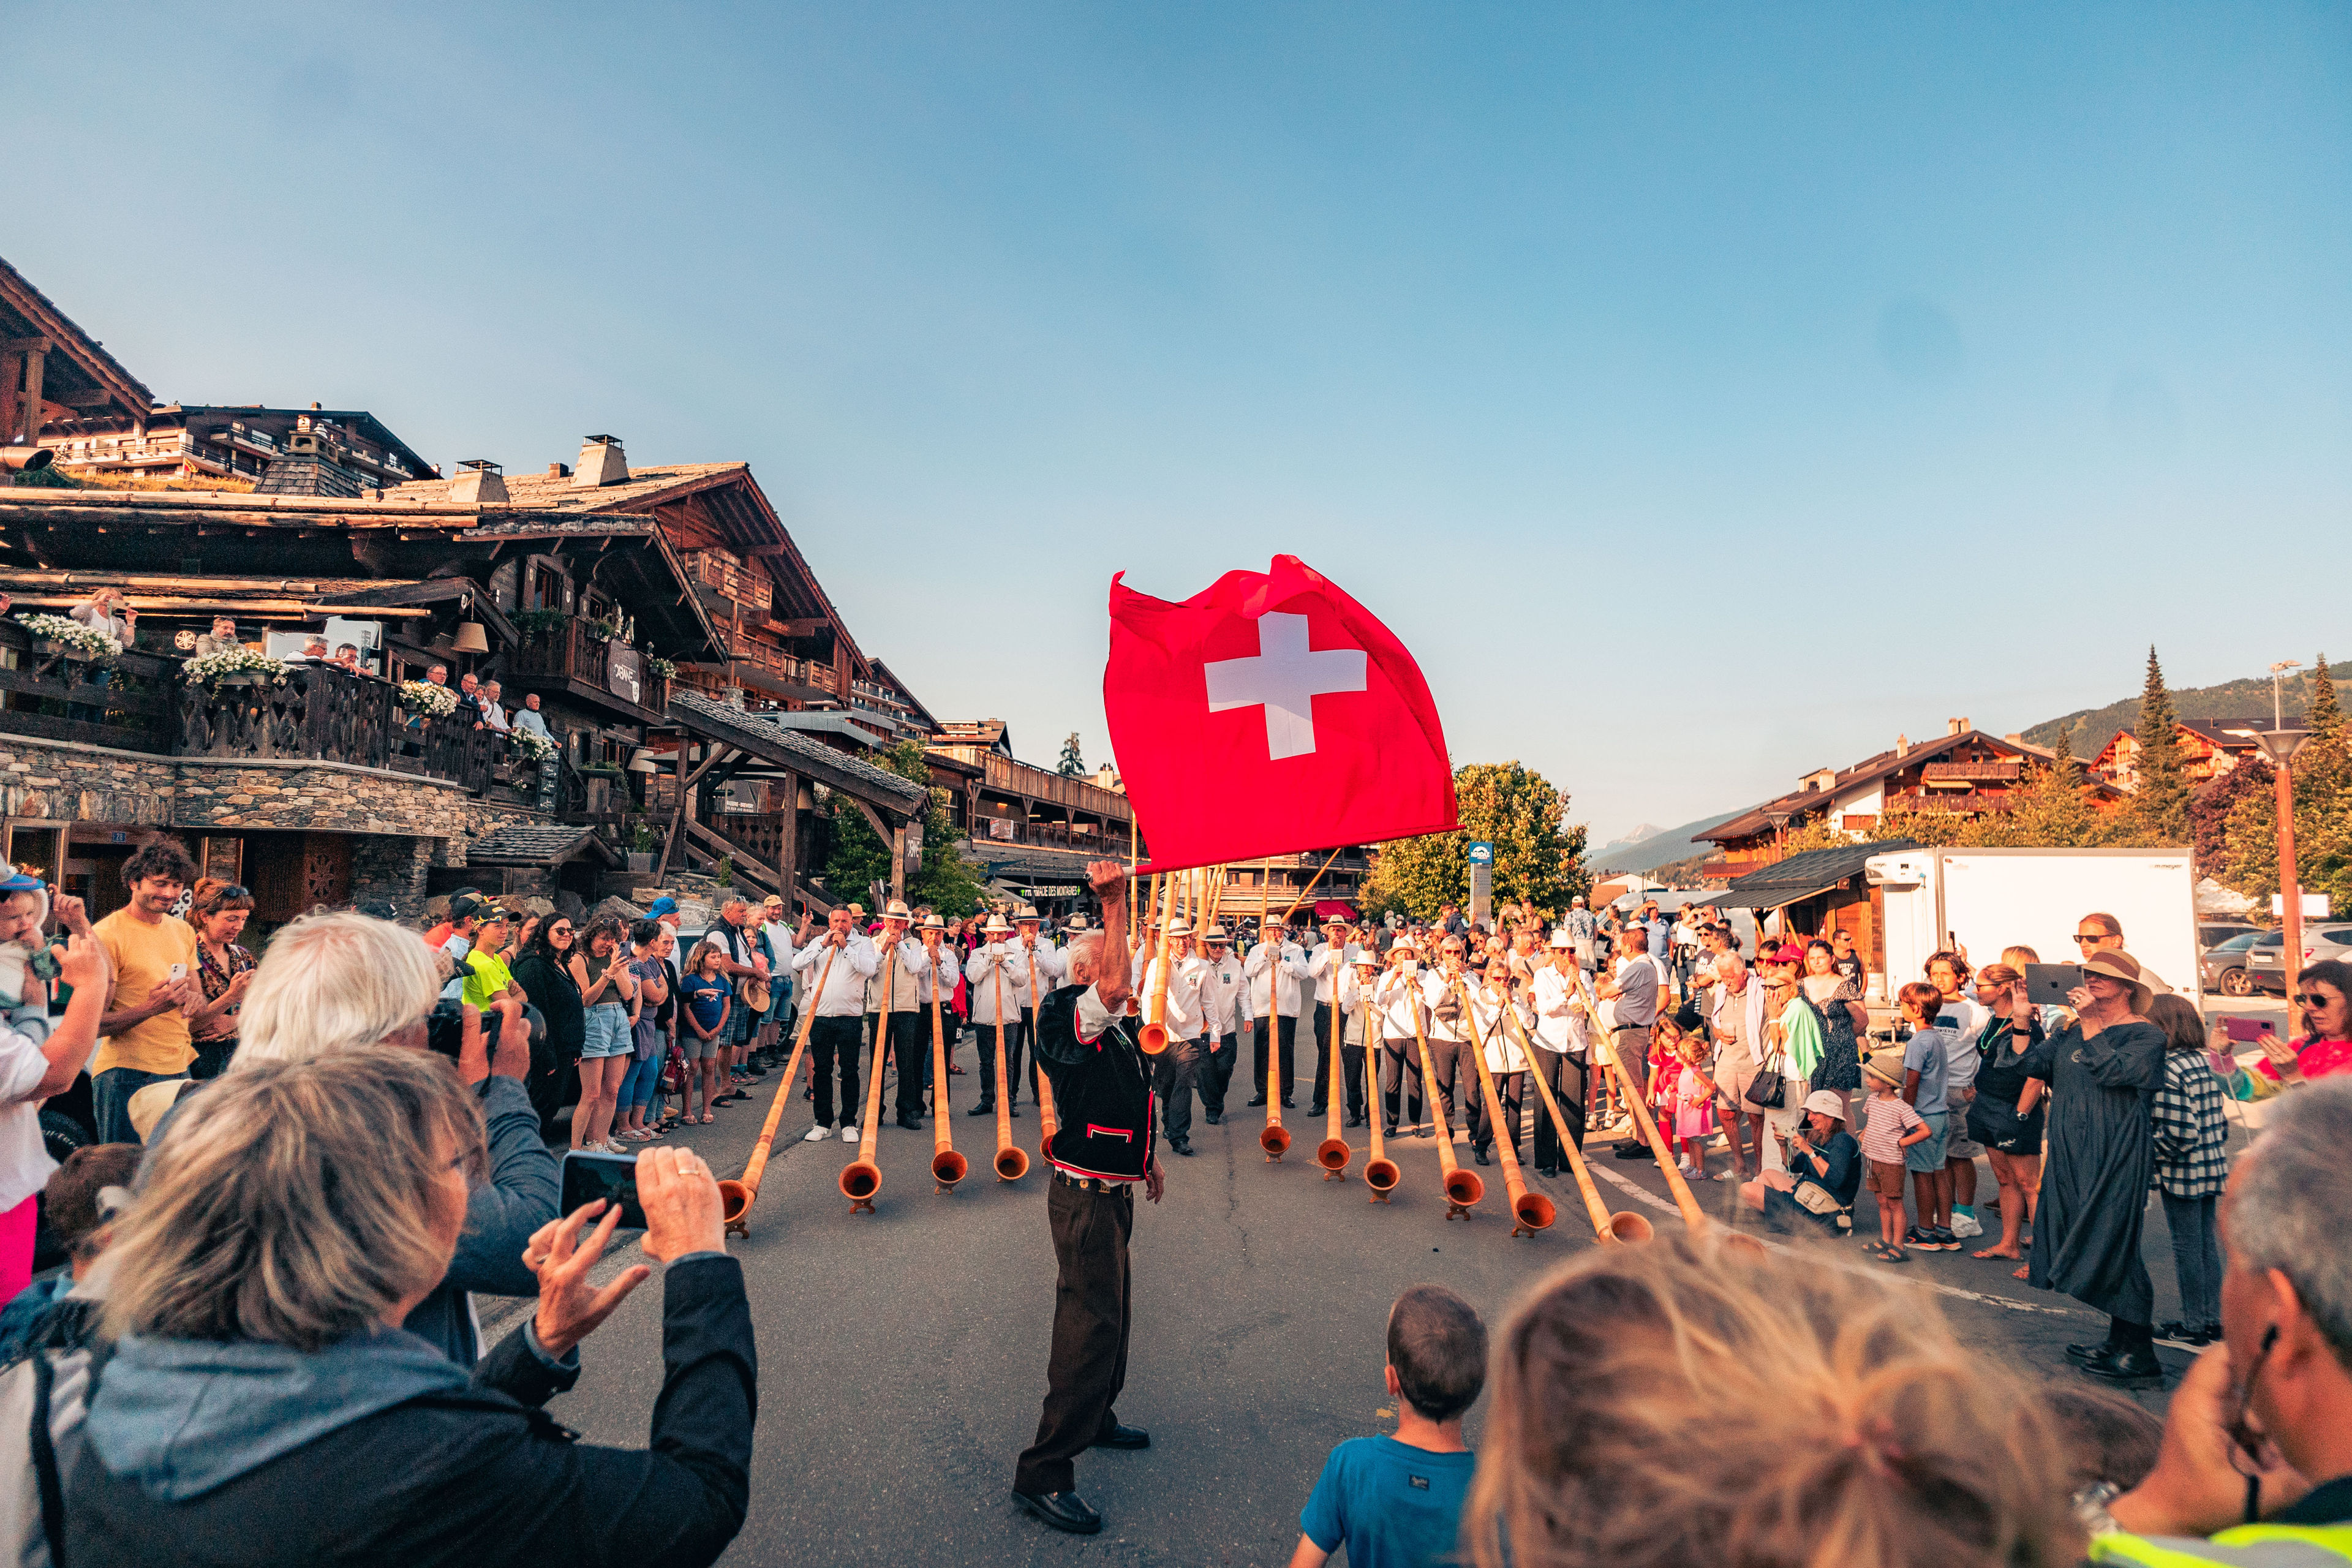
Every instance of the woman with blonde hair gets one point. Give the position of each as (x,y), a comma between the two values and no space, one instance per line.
(1679,1403)
(263,1406)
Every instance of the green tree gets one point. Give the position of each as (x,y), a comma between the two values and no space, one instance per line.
(1539,855)
(1071,766)
(855,857)
(2159,807)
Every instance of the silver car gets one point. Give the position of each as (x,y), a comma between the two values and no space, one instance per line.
(2264,969)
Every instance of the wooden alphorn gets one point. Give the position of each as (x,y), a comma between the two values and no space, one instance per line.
(1637,1102)
(948,1167)
(1531,1212)
(1274,1138)
(1463,1188)
(1153,1037)
(1333,1152)
(1012,1163)
(1381,1172)
(1037,1070)
(862,1177)
(736,1197)
(1625,1225)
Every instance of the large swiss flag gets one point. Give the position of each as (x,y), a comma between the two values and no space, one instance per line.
(1270,714)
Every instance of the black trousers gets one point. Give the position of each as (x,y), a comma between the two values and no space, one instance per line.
(1565,1075)
(1286,1029)
(909,1037)
(1091,1312)
(1510,1087)
(1321,1020)
(1400,1079)
(829,1038)
(1457,1079)
(1016,1036)
(1175,1074)
(1216,1073)
(1351,1067)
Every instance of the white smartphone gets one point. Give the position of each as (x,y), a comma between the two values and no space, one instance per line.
(177,972)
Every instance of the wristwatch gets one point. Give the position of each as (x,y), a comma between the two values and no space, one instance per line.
(2090,1505)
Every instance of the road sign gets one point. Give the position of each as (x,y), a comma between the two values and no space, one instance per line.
(1482,854)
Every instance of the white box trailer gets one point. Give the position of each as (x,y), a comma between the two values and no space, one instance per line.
(1993,898)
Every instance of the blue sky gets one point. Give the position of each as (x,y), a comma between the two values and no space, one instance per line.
(1703,394)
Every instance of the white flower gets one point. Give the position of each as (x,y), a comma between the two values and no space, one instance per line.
(72,633)
(209,667)
(423,697)
(534,748)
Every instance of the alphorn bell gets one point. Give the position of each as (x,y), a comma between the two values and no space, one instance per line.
(736,1198)
(862,1177)
(948,1167)
(1463,1188)
(1636,1103)
(1531,1212)
(1381,1172)
(1153,1037)
(1625,1225)
(1012,1163)
(1046,1122)
(1333,1152)
(1274,1138)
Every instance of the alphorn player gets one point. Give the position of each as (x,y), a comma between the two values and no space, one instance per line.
(1003,961)
(1450,1050)
(1221,1006)
(1276,1007)
(834,1030)
(1560,1035)
(896,1023)
(1029,923)
(939,969)
(1176,1072)
(1491,997)
(1101,1148)
(1405,991)
(1355,989)
(1325,964)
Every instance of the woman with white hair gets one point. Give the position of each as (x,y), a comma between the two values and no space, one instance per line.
(262,1405)
(344,982)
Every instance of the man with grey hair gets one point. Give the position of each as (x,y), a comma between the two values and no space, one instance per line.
(2261,1426)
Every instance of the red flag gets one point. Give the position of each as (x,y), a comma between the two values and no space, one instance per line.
(1271,714)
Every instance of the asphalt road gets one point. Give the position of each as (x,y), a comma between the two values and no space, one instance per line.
(902,1354)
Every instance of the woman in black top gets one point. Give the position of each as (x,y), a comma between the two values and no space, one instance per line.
(544,977)
(2006,1115)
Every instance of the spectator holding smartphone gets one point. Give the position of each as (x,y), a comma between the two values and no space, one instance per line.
(153,954)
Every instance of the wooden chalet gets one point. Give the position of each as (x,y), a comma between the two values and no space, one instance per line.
(51,370)
(2207,750)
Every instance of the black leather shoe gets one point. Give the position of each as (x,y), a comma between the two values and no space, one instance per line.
(1480,1155)
(2133,1367)
(1013,1111)
(1213,1118)
(1315,1109)
(1548,1172)
(1181,1146)
(1124,1437)
(2086,1354)
(1259,1100)
(1062,1511)
(907,1120)
(985,1108)
(1287,1105)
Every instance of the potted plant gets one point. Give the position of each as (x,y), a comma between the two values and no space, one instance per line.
(426,700)
(539,626)
(603,628)
(531,747)
(234,667)
(64,635)
(661,669)
(644,842)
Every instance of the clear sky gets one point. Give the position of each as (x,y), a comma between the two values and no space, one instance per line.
(1704,393)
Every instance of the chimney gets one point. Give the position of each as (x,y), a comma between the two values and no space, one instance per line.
(1902,745)
(479,482)
(1956,726)
(559,470)
(602,462)
(2014,738)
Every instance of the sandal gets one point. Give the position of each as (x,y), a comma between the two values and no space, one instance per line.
(707,1119)
(1893,1255)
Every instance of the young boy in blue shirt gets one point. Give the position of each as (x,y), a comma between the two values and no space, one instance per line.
(1397,1502)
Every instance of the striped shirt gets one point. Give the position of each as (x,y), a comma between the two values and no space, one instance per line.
(2190,1127)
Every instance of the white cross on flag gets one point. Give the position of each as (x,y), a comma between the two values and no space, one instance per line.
(1270,714)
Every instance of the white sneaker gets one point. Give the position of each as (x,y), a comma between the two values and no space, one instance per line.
(1686,1168)
(818,1133)
(1965,1225)
(849,1132)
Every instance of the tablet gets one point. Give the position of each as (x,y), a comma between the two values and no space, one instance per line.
(2046,985)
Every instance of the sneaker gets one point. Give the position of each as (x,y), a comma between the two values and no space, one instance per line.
(1686,1168)
(818,1133)
(1914,1236)
(1946,1240)
(849,1132)
(1965,1225)
(613,1146)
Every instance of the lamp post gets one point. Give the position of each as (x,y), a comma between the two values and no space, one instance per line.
(2280,745)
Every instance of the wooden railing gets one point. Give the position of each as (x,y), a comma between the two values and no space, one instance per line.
(566,650)
(1007,776)
(126,702)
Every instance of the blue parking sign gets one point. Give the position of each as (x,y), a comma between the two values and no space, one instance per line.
(1482,854)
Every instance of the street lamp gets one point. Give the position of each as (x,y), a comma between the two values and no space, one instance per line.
(2280,744)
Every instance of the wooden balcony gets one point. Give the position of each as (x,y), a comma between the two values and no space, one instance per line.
(732,580)
(568,657)
(1005,776)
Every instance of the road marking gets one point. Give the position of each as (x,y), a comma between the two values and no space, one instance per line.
(1643,1195)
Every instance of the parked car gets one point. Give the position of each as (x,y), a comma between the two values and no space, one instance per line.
(2213,933)
(2266,972)
(2223,967)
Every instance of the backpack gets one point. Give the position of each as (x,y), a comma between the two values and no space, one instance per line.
(42,1400)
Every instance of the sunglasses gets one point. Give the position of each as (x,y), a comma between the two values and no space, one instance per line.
(2093,938)
(2316,999)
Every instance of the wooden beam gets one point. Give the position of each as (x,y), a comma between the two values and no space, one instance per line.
(741,859)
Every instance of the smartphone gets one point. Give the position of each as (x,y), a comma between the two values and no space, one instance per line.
(2046,985)
(589,1175)
(177,972)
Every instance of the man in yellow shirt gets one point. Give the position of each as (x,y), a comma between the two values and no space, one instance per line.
(143,1035)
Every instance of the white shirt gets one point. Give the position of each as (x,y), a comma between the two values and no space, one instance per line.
(24,1162)
(1290,995)
(1561,1022)
(1220,994)
(854,963)
(1456,1032)
(1184,1012)
(1398,998)
(999,964)
(1326,965)
(1351,998)
(493,716)
(1053,965)
(1503,1052)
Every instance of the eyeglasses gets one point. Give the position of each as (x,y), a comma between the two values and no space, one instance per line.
(2316,999)
(2093,937)
(559,931)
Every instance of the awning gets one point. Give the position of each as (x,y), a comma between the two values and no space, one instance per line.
(1802,877)
(1334,910)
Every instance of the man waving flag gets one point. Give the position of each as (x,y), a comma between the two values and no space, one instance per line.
(1270,714)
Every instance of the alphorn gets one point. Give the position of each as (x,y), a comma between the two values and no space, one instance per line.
(1463,1188)
(1153,1037)
(1036,1072)
(862,1177)
(736,1198)
(1531,1212)
(948,1167)
(1012,1163)
(1380,1171)
(1625,1225)
(1274,1138)
(1636,1103)
(1333,1152)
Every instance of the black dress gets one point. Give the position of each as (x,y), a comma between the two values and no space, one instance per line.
(1841,1064)
(2001,1074)
(2086,1227)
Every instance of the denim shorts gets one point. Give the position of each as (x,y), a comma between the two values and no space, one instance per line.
(1927,1154)
(609,1034)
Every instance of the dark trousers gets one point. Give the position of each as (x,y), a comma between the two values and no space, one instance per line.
(1016,1036)
(2196,1258)
(1351,1067)
(1286,1030)
(110,1100)
(1565,1075)
(1457,1079)
(1510,1087)
(1217,1072)
(829,1038)
(1091,1310)
(1400,1079)
(909,1038)
(1175,1074)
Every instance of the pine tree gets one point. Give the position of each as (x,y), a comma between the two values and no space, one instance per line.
(2051,811)
(2325,717)
(1071,765)
(2161,806)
